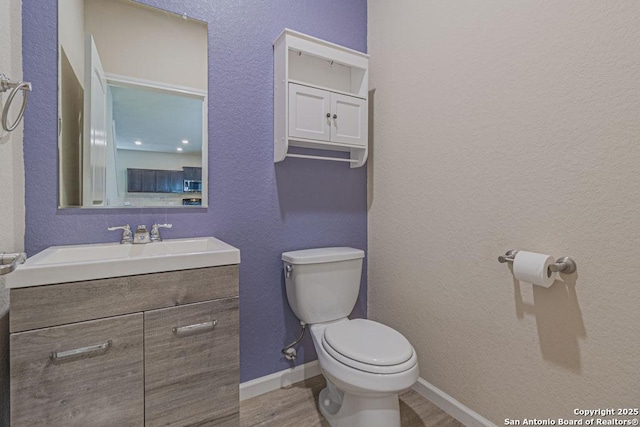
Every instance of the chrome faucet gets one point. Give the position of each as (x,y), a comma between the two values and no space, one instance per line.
(127,237)
(142,235)
(155,231)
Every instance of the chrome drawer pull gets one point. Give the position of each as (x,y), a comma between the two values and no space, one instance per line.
(55,355)
(194,329)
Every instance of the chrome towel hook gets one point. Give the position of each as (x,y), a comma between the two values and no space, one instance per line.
(5,85)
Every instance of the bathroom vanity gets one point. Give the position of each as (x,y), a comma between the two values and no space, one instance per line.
(142,349)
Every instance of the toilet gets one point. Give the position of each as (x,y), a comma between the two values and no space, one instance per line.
(365,363)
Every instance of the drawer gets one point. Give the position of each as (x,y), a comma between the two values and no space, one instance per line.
(52,305)
(102,384)
(192,364)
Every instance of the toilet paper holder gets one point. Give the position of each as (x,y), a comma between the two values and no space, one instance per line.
(564,264)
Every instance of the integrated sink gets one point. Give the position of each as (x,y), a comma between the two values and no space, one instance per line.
(59,264)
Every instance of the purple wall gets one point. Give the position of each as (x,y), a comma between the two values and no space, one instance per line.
(261,208)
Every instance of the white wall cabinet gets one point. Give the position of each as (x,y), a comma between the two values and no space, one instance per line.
(309,113)
(348,120)
(320,98)
(326,116)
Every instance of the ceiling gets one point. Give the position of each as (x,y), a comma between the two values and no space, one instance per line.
(160,120)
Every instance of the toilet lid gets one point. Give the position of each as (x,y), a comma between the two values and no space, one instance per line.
(368,342)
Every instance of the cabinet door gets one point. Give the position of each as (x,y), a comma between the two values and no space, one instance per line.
(192,364)
(83,374)
(163,181)
(177,181)
(308,111)
(148,178)
(134,180)
(349,120)
(189,173)
(192,173)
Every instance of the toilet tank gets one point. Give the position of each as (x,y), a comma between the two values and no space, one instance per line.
(322,284)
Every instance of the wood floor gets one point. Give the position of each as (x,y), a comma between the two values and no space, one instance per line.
(296,406)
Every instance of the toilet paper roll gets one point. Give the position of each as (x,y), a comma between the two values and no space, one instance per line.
(533,268)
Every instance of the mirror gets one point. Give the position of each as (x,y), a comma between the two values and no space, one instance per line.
(132,106)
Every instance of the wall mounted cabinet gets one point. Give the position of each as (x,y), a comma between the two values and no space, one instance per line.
(160,181)
(326,116)
(320,98)
(169,181)
(192,173)
(141,180)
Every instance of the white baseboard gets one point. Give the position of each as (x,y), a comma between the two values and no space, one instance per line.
(451,406)
(278,380)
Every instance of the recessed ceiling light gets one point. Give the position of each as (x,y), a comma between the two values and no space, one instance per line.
(184,141)
(179,149)
(138,142)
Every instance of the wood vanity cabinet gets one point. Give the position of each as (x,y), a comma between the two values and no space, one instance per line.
(187,395)
(148,350)
(105,387)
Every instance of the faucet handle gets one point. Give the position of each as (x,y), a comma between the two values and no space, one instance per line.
(155,231)
(127,237)
(156,226)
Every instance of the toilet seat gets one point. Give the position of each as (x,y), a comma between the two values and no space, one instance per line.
(369,346)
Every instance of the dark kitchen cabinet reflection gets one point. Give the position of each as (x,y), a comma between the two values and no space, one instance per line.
(155,181)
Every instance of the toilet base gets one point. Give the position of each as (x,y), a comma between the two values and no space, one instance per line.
(360,411)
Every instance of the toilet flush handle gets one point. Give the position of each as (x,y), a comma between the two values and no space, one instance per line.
(287,271)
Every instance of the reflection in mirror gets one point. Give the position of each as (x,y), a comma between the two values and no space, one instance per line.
(132,106)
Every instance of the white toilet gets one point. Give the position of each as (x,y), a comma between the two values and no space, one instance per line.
(366,364)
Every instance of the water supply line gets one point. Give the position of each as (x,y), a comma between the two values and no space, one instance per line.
(289,352)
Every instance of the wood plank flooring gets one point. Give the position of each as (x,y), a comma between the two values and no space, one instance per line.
(296,406)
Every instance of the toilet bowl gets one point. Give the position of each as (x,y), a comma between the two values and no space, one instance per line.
(370,390)
(366,364)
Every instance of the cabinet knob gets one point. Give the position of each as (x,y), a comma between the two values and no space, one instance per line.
(335,116)
(328,115)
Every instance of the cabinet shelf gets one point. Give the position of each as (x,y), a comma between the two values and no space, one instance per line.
(301,83)
(320,98)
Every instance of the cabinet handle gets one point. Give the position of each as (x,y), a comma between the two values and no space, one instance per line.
(194,329)
(328,115)
(335,116)
(61,355)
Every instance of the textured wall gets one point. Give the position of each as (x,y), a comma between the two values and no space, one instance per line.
(11,179)
(504,125)
(262,208)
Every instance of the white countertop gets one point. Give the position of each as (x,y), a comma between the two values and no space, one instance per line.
(73,263)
